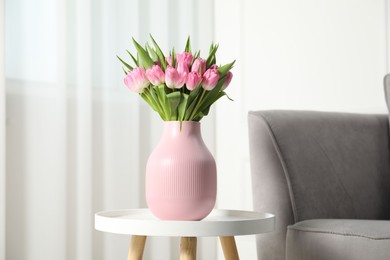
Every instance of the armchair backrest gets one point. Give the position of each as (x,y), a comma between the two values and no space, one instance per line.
(308,165)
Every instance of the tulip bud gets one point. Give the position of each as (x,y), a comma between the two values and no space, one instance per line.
(185,58)
(229,77)
(155,75)
(173,79)
(193,80)
(214,67)
(169,60)
(199,65)
(210,79)
(136,80)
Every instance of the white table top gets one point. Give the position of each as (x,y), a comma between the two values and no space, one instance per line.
(219,223)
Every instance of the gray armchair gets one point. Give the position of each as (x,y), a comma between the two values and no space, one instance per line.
(326,177)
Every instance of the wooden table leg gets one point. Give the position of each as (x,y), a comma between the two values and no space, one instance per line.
(188,248)
(136,249)
(229,248)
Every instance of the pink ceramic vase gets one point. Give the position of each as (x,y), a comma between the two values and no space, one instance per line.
(181,176)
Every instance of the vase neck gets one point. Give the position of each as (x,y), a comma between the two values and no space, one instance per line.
(172,128)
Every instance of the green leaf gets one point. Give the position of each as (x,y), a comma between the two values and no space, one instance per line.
(196,55)
(173,58)
(126,72)
(209,98)
(201,114)
(211,57)
(152,52)
(188,45)
(199,102)
(212,101)
(174,100)
(192,100)
(156,100)
(197,118)
(182,106)
(150,93)
(213,60)
(160,54)
(211,47)
(134,59)
(124,63)
(205,112)
(225,68)
(144,58)
(151,102)
(213,95)
(205,108)
(189,110)
(228,96)
(162,97)
(147,99)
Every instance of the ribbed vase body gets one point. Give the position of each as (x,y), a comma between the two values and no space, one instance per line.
(181,180)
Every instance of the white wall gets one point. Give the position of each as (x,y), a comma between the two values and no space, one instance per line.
(302,54)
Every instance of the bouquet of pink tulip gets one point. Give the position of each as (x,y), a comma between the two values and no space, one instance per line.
(180,87)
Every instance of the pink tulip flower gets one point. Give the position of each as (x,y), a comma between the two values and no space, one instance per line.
(227,81)
(193,80)
(173,79)
(214,67)
(199,65)
(136,80)
(210,79)
(185,58)
(155,75)
(182,68)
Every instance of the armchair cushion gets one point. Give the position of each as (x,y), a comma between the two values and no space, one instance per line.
(346,239)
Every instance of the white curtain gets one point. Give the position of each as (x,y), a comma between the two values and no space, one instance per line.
(2,135)
(77,139)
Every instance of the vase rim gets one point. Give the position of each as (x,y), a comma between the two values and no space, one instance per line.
(184,127)
(178,122)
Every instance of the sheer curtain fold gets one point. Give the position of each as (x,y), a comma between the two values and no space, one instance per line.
(84,136)
(78,140)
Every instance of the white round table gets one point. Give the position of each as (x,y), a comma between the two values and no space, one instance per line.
(225,224)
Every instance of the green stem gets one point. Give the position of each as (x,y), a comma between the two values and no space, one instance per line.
(162,99)
(148,100)
(194,112)
(156,102)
